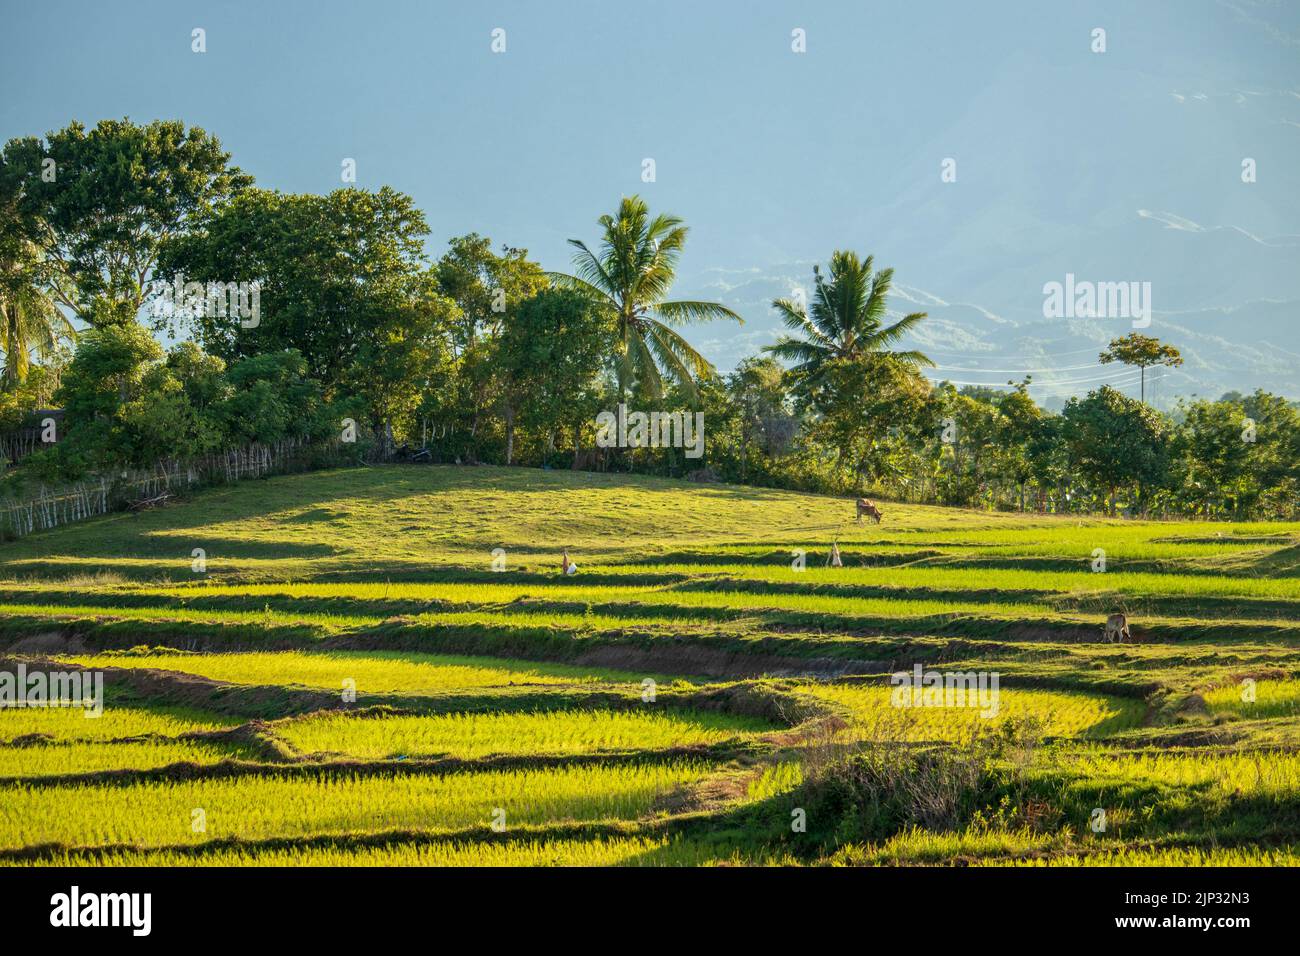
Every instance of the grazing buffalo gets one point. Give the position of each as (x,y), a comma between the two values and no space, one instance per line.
(866,507)
(1117,629)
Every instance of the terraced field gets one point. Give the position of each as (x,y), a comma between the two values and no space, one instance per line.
(353,677)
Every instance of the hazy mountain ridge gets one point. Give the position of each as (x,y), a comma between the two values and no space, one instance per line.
(1236,315)
(1122,167)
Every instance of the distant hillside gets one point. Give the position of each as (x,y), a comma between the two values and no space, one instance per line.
(1200,280)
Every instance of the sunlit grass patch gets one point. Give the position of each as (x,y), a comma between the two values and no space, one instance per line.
(532,852)
(918,846)
(476,735)
(775,780)
(1056,713)
(993,578)
(1271,699)
(325,623)
(1265,772)
(373,672)
(838,604)
(116,721)
(511,598)
(160,813)
(95,756)
(470,594)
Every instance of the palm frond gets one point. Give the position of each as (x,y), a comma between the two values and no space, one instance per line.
(875,309)
(797,350)
(598,296)
(698,365)
(683,311)
(589,268)
(892,333)
(913,357)
(668,348)
(647,372)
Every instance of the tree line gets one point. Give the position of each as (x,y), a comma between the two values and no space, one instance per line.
(114,237)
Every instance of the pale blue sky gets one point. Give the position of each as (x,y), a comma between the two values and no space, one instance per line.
(767,153)
(773,158)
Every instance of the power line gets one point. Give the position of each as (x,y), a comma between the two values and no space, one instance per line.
(1104,374)
(1126,378)
(992,355)
(1131,377)
(993,371)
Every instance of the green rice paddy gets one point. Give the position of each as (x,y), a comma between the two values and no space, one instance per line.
(351,682)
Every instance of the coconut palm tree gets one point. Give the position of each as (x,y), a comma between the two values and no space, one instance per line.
(629,281)
(29,319)
(845,321)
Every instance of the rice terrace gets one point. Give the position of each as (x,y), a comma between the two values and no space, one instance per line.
(376,666)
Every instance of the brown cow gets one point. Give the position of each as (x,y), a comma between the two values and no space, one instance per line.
(868,508)
(1117,629)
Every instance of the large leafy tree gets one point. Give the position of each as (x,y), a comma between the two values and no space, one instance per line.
(843,323)
(548,356)
(1239,454)
(874,422)
(1211,458)
(629,280)
(106,373)
(342,281)
(1019,428)
(1275,453)
(758,388)
(486,289)
(108,376)
(402,361)
(269,398)
(130,406)
(1142,351)
(972,446)
(485,285)
(101,203)
(1114,442)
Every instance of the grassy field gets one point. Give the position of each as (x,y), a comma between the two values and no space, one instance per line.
(354,677)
